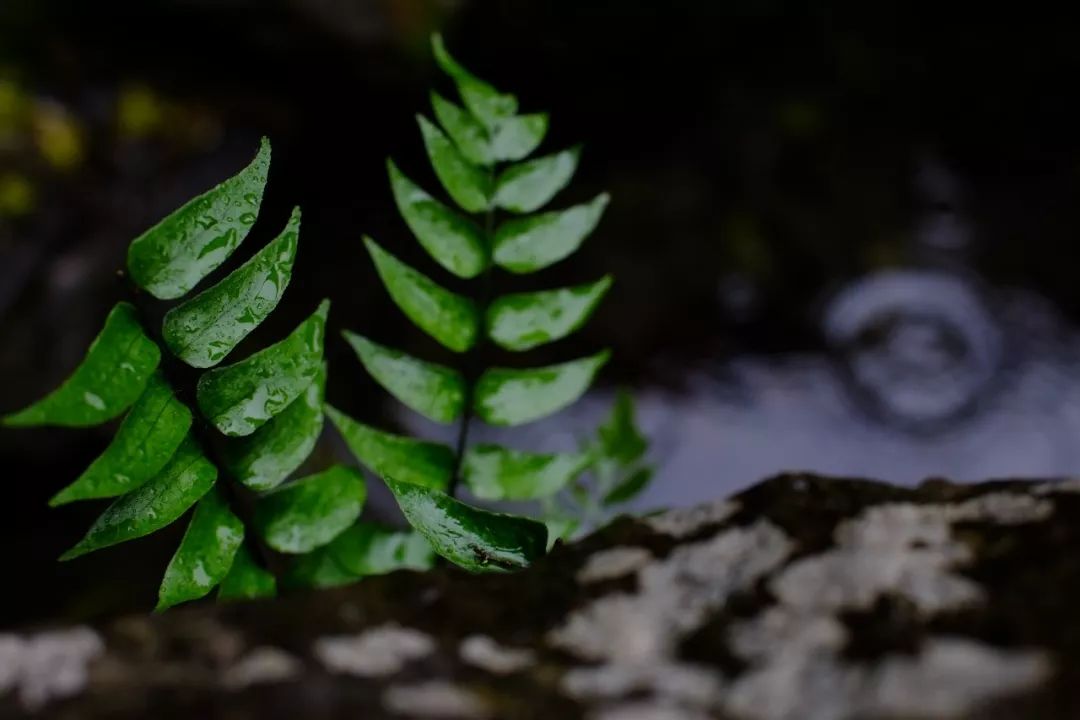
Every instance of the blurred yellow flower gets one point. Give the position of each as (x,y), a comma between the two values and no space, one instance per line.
(57,135)
(16,195)
(12,107)
(139,112)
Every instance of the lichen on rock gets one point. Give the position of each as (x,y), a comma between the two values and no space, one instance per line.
(261,666)
(613,563)
(803,598)
(435,699)
(684,522)
(377,652)
(47,666)
(482,652)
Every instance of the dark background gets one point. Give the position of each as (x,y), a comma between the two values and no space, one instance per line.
(844,236)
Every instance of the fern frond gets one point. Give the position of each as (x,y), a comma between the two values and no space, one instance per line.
(480,157)
(165,459)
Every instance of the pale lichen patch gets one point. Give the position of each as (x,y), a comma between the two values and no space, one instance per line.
(681,683)
(698,578)
(613,563)
(483,652)
(378,652)
(795,649)
(636,634)
(261,666)
(1069,485)
(647,710)
(794,686)
(435,699)
(896,528)
(675,596)
(47,666)
(897,548)
(618,626)
(1001,507)
(683,522)
(850,578)
(948,677)
(902,549)
(10,663)
(793,631)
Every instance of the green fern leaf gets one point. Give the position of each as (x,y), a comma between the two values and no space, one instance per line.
(449,318)
(475,539)
(486,103)
(525,320)
(317,570)
(362,550)
(486,134)
(240,398)
(153,505)
(261,461)
(309,513)
(630,487)
(413,461)
(169,259)
(515,397)
(110,378)
(453,241)
(560,528)
(246,580)
(525,245)
(470,136)
(529,186)
(369,549)
(467,184)
(205,554)
(620,438)
(516,137)
(145,442)
(205,329)
(435,391)
(497,473)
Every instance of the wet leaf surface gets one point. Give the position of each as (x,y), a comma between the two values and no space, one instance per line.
(170,259)
(206,328)
(110,378)
(154,505)
(205,554)
(475,539)
(240,398)
(144,443)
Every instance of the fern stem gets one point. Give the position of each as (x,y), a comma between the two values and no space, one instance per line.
(462,439)
(473,365)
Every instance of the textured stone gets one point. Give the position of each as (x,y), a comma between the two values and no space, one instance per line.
(377,652)
(434,699)
(482,652)
(614,563)
(263,665)
(803,598)
(47,666)
(683,522)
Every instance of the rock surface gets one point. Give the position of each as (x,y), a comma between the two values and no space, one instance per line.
(804,598)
